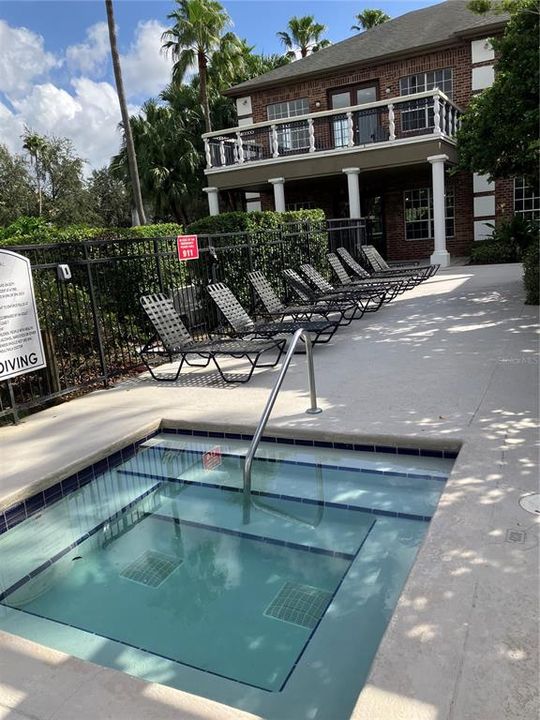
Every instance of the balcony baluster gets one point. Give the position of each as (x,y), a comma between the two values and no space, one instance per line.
(207,153)
(391,122)
(350,130)
(275,143)
(311,133)
(436,115)
(443,118)
(240,147)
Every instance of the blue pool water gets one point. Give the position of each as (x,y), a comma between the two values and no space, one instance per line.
(151,568)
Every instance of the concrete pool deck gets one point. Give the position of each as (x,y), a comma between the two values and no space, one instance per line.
(451,362)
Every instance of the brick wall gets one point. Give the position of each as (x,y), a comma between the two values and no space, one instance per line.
(392,188)
(385,75)
(504,199)
(398,247)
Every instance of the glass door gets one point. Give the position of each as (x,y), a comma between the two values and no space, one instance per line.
(340,133)
(367,121)
(373,210)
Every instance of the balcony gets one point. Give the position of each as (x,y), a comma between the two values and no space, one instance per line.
(396,121)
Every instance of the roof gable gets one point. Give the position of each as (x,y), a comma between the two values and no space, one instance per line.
(435,25)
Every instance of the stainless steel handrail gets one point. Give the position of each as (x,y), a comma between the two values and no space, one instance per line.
(312,410)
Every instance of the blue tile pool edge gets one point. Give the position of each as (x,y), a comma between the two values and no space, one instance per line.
(17,513)
(318,465)
(355,447)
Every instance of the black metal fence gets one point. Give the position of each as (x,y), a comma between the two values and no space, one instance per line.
(92,325)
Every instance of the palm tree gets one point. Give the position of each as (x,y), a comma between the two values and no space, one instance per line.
(369,19)
(303,36)
(168,160)
(36,146)
(196,39)
(130,147)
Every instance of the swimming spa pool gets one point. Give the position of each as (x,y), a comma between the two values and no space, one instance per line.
(145,563)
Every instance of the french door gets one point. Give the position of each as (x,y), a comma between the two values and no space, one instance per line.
(365,122)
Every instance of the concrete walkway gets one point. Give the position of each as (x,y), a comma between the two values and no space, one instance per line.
(452,361)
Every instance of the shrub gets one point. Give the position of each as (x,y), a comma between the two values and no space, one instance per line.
(27,231)
(489,251)
(508,242)
(517,233)
(230,222)
(234,222)
(531,275)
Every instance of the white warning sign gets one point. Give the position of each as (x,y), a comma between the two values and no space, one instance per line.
(21,348)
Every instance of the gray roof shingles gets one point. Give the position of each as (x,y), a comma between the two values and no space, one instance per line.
(437,24)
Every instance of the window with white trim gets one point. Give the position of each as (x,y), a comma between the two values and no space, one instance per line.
(526,199)
(418,209)
(296,135)
(423,82)
(418,114)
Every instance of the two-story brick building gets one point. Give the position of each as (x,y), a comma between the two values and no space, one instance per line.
(367,127)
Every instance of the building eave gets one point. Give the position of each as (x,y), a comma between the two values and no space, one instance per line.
(469,33)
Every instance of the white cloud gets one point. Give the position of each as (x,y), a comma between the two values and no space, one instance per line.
(90,57)
(86,111)
(145,68)
(11,128)
(23,58)
(89,117)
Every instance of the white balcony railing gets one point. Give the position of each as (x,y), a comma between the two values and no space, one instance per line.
(332,131)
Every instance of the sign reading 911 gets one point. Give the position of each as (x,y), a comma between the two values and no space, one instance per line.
(21,348)
(188,247)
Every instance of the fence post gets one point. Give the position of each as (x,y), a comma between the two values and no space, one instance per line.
(158,266)
(14,409)
(50,356)
(95,316)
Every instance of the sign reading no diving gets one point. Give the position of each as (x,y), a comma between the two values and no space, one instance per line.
(21,349)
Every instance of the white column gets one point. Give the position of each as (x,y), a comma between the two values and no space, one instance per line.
(440,254)
(279,193)
(353,185)
(213,200)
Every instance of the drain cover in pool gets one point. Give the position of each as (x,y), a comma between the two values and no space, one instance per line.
(299,604)
(151,568)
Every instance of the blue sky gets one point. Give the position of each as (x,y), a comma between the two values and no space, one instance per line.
(256,20)
(55,73)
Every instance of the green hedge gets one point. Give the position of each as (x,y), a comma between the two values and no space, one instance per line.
(531,274)
(233,222)
(29,231)
(485,252)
